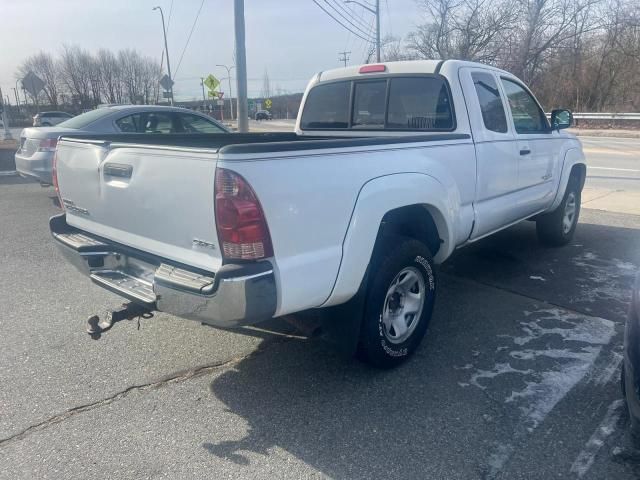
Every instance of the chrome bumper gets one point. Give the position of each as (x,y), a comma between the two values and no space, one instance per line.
(234,296)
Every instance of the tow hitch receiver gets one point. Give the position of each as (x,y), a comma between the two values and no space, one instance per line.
(129,311)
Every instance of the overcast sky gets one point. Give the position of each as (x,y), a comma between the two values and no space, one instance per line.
(291,39)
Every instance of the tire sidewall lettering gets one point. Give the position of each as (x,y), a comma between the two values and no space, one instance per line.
(393,350)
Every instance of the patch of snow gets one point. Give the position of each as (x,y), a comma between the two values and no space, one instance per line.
(585,458)
(498,459)
(543,395)
(607,372)
(604,279)
(498,369)
(468,366)
(580,328)
(537,277)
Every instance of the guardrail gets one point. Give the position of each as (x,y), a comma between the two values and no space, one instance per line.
(603,116)
(606,116)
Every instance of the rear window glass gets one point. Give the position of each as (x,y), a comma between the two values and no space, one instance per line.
(327,106)
(85,119)
(398,103)
(419,103)
(369,104)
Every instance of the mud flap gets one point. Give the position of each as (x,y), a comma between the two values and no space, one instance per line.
(341,324)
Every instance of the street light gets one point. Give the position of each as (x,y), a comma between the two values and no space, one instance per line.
(166,51)
(376,12)
(229,78)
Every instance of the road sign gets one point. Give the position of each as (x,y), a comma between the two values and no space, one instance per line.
(32,84)
(166,94)
(220,94)
(220,103)
(211,82)
(267,104)
(166,82)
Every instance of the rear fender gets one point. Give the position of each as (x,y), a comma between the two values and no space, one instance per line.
(376,198)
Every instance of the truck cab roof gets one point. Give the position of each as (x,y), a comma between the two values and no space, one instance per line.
(401,67)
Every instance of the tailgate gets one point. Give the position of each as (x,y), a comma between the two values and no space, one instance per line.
(157,199)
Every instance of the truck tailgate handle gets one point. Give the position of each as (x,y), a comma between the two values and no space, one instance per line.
(118,170)
(525,151)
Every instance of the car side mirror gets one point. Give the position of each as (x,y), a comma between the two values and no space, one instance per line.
(561,118)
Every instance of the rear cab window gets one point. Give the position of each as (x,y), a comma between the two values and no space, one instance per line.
(491,106)
(403,103)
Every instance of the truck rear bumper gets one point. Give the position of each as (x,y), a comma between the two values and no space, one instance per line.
(234,296)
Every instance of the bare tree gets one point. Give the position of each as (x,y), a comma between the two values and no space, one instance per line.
(75,69)
(464,29)
(110,76)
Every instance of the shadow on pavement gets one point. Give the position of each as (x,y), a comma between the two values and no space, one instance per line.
(424,420)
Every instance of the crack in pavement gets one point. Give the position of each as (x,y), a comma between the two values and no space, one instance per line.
(168,380)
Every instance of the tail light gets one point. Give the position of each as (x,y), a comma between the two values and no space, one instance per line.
(54,176)
(48,145)
(242,227)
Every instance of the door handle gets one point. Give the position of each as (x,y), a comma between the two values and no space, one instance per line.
(525,151)
(118,170)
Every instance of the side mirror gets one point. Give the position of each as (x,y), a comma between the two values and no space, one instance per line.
(561,118)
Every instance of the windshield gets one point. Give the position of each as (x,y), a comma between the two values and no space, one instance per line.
(81,121)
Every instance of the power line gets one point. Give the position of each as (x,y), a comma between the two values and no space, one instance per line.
(340,23)
(344,57)
(346,18)
(350,14)
(170,12)
(193,27)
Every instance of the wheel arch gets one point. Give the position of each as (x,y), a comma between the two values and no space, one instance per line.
(408,204)
(574,164)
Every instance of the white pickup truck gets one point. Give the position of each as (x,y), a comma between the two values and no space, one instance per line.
(391,168)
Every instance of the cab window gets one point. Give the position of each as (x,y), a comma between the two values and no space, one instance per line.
(528,117)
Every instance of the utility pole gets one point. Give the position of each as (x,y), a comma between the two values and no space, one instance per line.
(344,57)
(241,67)
(204,98)
(166,50)
(229,78)
(7,134)
(376,11)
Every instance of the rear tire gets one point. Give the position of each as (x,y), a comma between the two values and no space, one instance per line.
(634,423)
(399,302)
(556,228)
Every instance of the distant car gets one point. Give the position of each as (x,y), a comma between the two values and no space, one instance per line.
(49,119)
(263,115)
(631,363)
(37,145)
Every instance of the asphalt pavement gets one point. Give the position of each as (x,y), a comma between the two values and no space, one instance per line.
(516,379)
